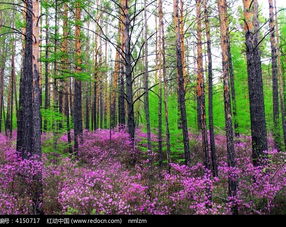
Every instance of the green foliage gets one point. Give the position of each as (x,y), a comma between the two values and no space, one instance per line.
(71,211)
(53,119)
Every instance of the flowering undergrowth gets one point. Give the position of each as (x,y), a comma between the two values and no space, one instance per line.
(109,175)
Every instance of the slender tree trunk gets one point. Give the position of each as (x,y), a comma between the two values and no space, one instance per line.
(1,76)
(95,85)
(255,83)
(223,17)
(200,85)
(280,77)
(121,82)
(101,107)
(10,99)
(87,101)
(158,63)
(66,81)
(146,80)
(95,126)
(164,73)
(275,93)
(47,86)
(210,92)
(2,69)
(181,87)
(233,95)
(77,84)
(116,73)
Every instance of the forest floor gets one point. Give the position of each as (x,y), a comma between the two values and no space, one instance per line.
(109,175)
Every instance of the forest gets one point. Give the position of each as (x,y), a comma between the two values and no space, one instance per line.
(142,107)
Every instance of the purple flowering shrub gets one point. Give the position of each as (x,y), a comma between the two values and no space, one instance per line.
(109,175)
(17,179)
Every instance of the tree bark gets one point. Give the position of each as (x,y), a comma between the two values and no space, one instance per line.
(214,165)
(255,83)
(77,83)
(47,86)
(275,93)
(66,81)
(181,87)
(223,17)
(29,120)
(164,74)
(146,80)
(2,69)
(280,77)
(233,95)
(128,69)
(200,86)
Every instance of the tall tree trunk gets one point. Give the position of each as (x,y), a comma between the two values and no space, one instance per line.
(114,90)
(2,69)
(95,84)
(87,101)
(47,86)
(200,85)
(255,83)
(158,63)
(121,99)
(233,95)
(210,92)
(66,81)
(77,83)
(121,82)
(10,106)
(223,17)
(280,77)
(164,73)
(146,80)
(29,120)
(128,69)
(181,87)
(275,93)
(101,106)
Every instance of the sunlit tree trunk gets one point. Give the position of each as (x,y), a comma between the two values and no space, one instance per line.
(223,17)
